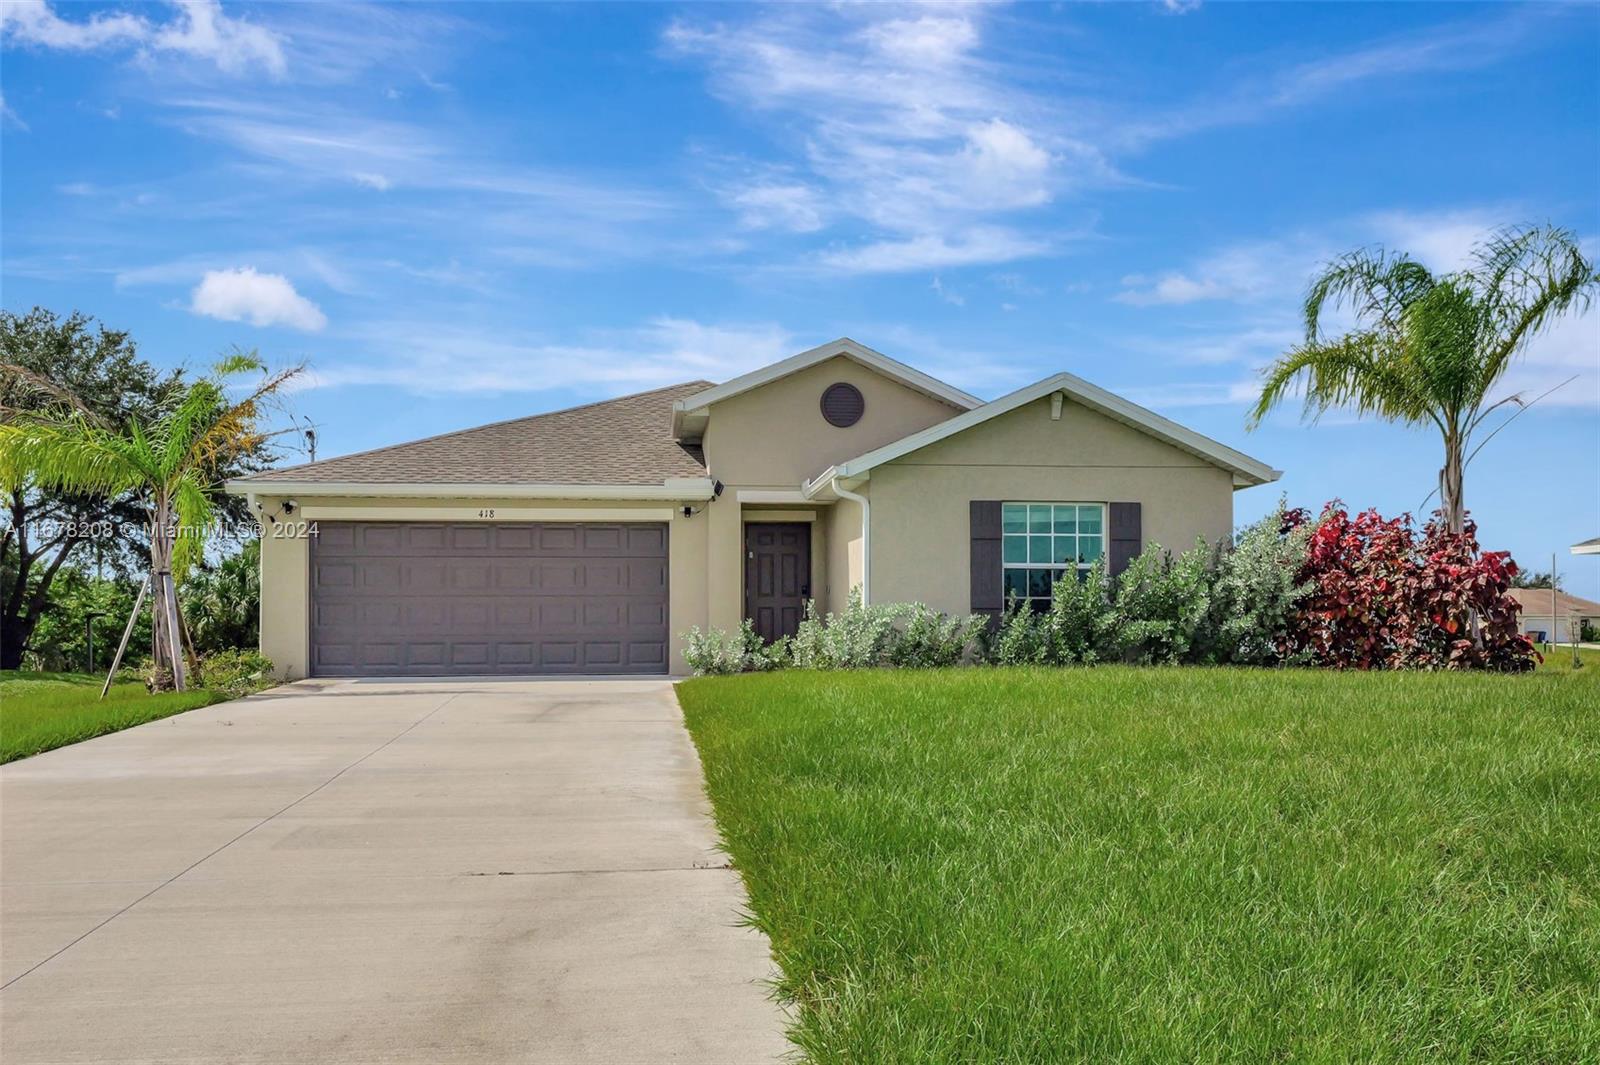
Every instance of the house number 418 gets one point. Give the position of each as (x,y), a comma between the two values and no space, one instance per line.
(487,513)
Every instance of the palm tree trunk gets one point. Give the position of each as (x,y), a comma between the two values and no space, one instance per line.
(1450,485)
(166,652)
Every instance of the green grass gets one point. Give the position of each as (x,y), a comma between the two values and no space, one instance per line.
(42,711)
(1168,864)
(1559,659)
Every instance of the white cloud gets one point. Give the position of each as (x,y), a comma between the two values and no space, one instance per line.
(198,29)
(430,358)
(1175,394)
(261,299)
(7,114)
(792,207)
(949,295)
(1279,268)
(899,127)
(372,181)
(1469,44)
(1441,240)
(977,245)
(1245,272)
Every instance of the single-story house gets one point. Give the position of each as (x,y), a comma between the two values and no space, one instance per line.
(589,540)
(1569,611)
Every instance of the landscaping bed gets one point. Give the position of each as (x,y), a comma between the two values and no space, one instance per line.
(42,711)
(1168,864)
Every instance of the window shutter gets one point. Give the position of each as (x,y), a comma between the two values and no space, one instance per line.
(1126,534)
(987,595)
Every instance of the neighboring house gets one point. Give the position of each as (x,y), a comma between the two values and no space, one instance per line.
(1569,611)
(588,540)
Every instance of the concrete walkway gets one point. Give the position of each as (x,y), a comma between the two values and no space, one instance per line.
(395,871)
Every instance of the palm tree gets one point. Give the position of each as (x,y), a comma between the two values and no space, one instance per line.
(1430,349)
(167,466)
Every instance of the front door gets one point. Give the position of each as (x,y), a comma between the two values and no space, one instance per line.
(777,576)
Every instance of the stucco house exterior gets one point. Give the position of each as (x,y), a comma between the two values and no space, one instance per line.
(588,540)
(1570,615)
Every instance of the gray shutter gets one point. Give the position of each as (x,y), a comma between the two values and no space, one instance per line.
(1126,536)
(988,596)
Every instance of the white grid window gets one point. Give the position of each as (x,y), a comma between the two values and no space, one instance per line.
(1042,542)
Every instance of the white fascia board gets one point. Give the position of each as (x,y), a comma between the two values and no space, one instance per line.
(1587,547)
(1246,470)
(682,489)
(693,407)
(822,486)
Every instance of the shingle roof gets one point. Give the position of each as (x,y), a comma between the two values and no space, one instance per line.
(1536,603)
(627,440)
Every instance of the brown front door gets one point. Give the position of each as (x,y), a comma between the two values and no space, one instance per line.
(777,576)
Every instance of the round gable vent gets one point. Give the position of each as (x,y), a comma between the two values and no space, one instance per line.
(843,405)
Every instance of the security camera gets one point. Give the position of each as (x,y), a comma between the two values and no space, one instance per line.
(288,506)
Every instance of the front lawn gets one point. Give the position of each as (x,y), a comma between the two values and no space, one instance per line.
(1558,659)
(1168,864)
(41,711)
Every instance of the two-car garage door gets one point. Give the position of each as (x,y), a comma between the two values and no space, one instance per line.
(435,598)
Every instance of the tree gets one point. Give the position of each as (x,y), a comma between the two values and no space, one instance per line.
(1429,350)
(222,602)
(52,365)
(1536,579)
(167,465)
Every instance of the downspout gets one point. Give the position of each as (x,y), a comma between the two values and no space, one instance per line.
(866,535)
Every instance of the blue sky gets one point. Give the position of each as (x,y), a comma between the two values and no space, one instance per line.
(462,213)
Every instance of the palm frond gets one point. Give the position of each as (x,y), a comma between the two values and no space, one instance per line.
(1376,285)
(1528,278)
(1356,371)
(236,363)
(73,456)
(234,431)
(39,384)
(196,516)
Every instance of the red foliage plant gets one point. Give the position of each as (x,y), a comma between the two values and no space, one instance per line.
(1382,599)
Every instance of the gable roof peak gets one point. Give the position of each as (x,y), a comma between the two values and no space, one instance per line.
(690,412)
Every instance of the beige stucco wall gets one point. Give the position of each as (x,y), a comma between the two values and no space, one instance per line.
(919,504)
(286,560)
(843,524)
(776,436)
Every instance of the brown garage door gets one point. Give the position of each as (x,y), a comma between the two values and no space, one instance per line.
(433,598)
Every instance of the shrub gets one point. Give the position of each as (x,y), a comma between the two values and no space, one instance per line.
(1210,604)
(1380,599)
(895,634)
(1587,633)
(1160,611)
(908,635)
(716,652)
(1257,586)
(235,671)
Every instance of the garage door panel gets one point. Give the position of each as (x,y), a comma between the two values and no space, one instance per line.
(647,540)
(648,653)
(469,576)
(431,598)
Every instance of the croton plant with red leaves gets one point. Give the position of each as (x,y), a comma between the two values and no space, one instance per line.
(1381,599)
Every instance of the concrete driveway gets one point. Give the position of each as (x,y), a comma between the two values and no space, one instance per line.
(363,871)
